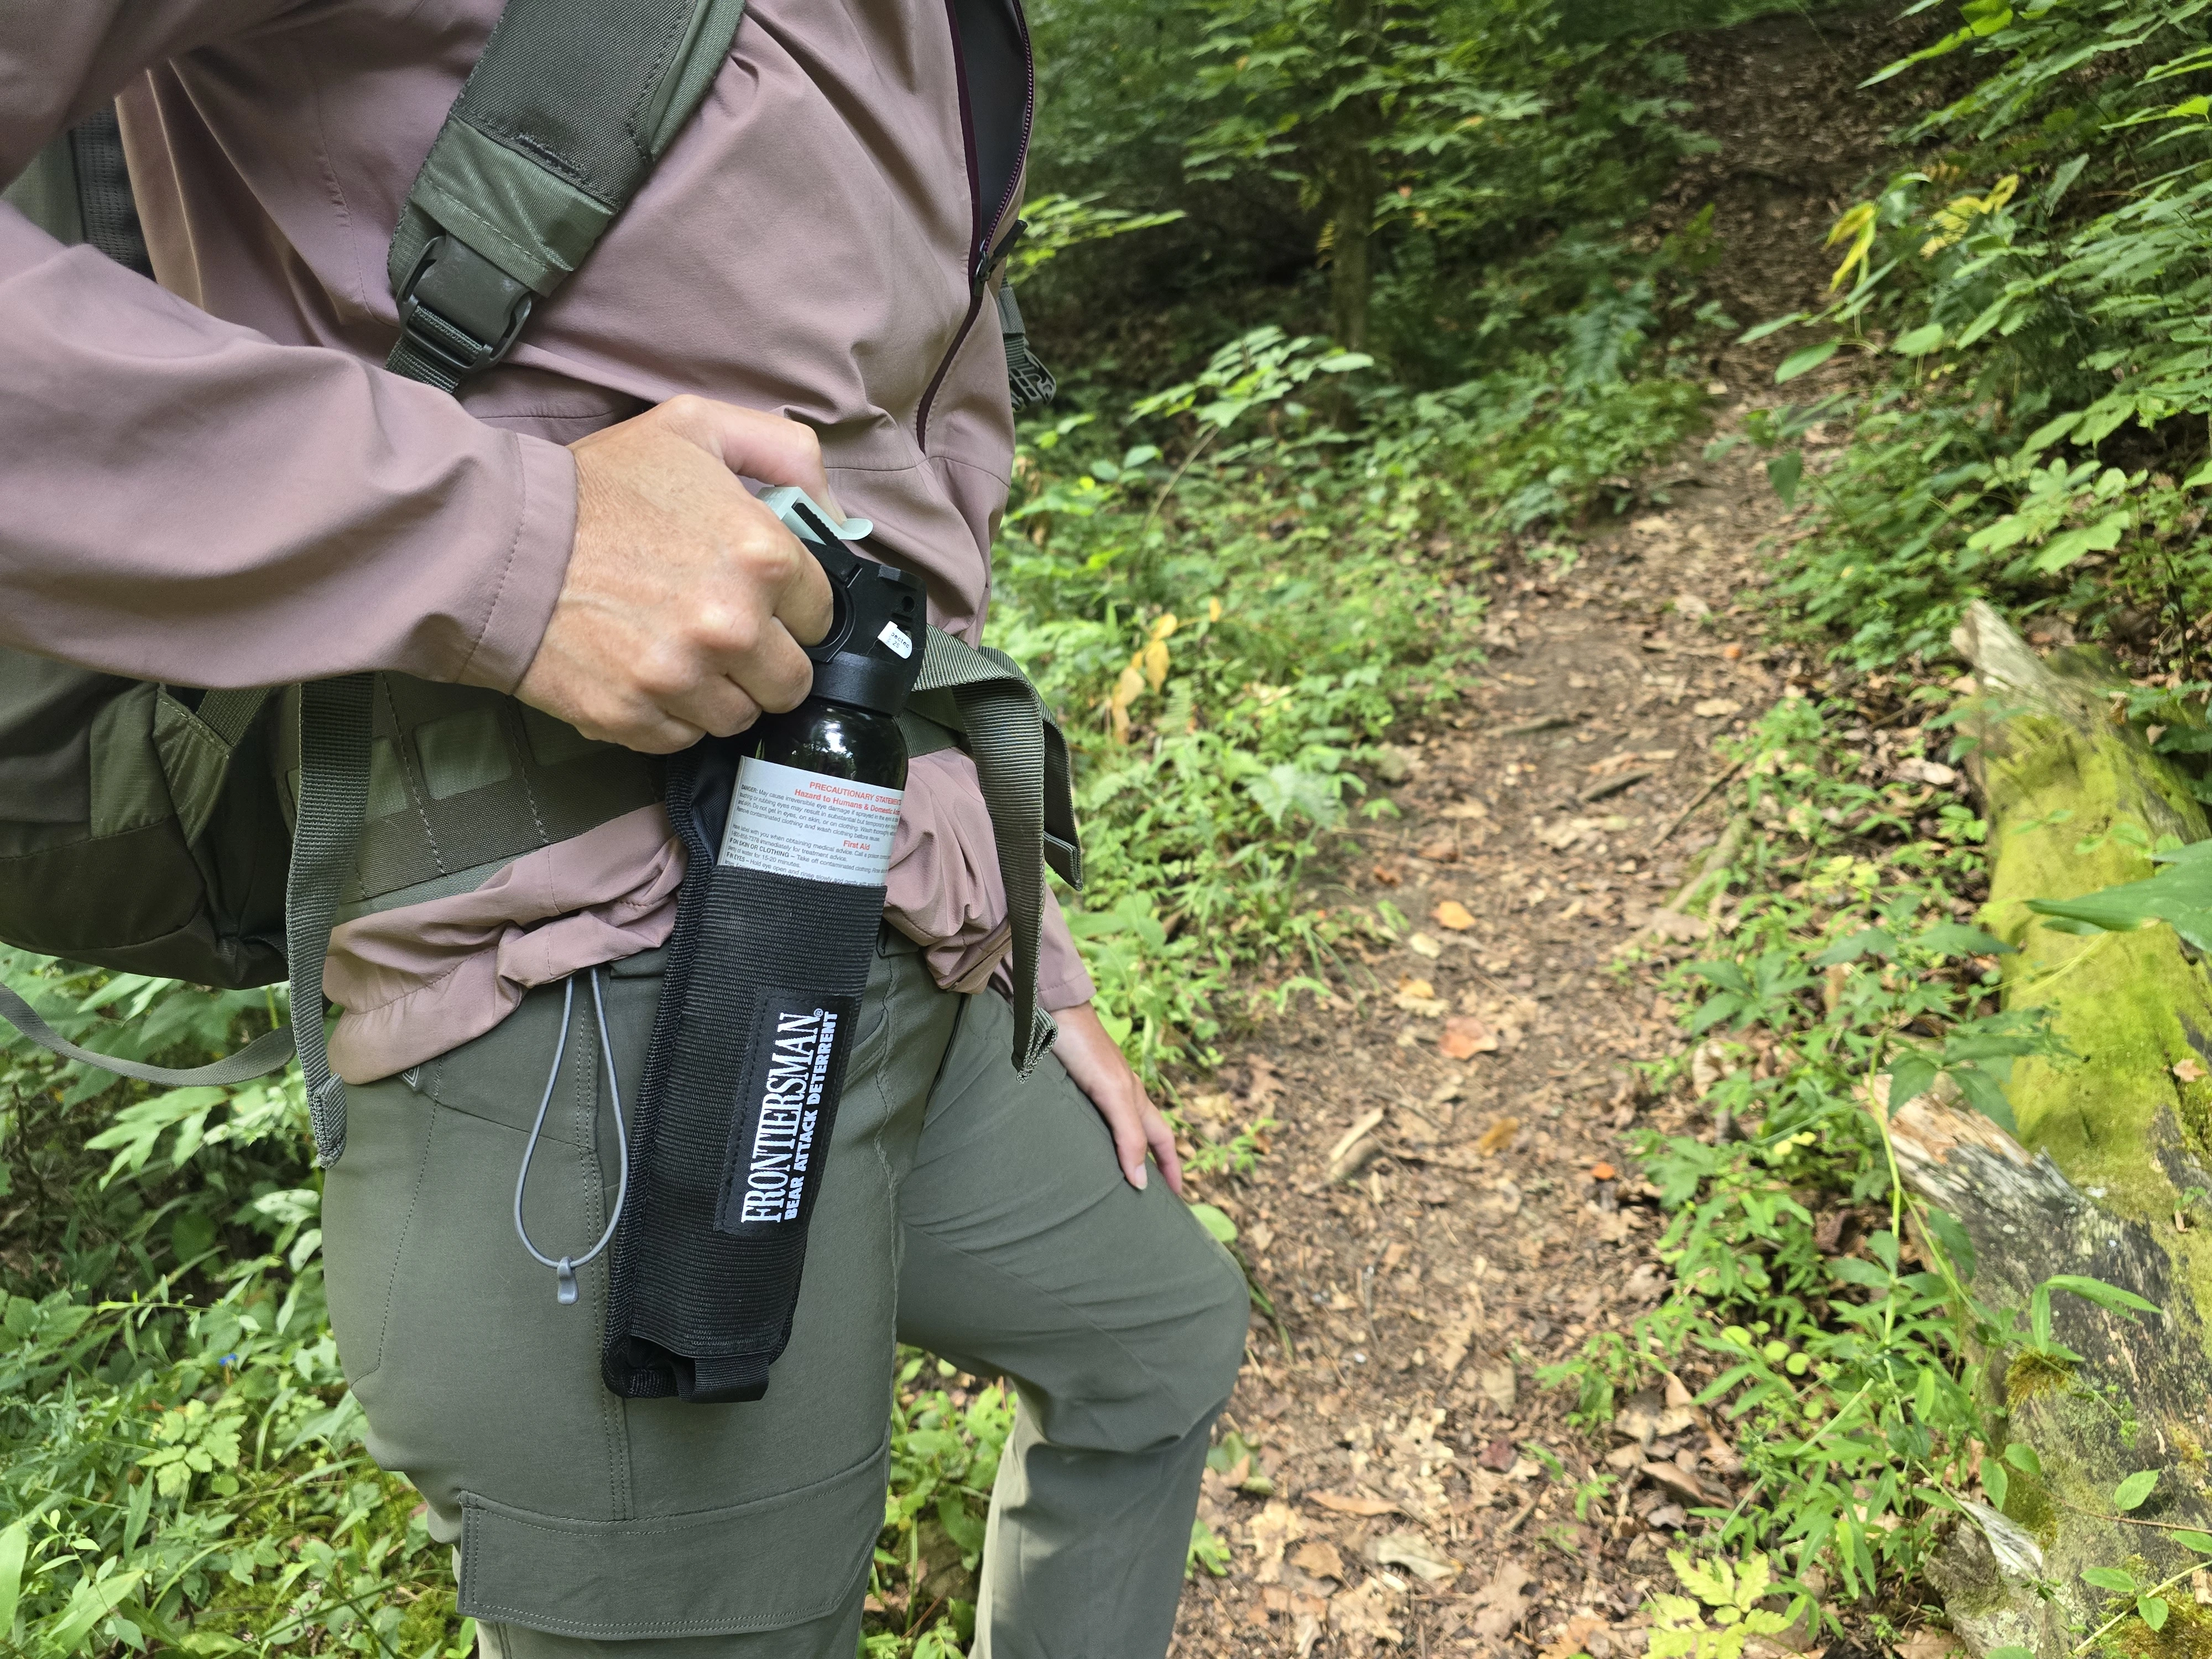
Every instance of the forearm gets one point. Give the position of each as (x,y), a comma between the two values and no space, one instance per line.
(184,500)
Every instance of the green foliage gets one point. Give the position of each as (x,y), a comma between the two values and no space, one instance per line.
(1681,1628)
(2036,288)
(1852,1378)
(1228,598)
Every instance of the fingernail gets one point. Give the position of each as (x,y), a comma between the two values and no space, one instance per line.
(1137,1177)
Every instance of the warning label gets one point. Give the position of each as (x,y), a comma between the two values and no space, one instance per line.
(792,823)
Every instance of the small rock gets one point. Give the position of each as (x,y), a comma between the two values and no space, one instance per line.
(1689,604)
(1668,1518)
(1917,770)
(1498,1455)
(1394,764)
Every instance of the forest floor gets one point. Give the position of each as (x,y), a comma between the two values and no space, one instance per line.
(1433,1229)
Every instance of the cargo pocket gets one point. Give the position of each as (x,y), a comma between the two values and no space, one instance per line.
(371,1198)
(764,1566)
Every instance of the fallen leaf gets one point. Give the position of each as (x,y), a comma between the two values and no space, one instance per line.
(1422,945)
(1500,1384)
(1466,1037)
(1715,707)
(1318,1557)
(1414,1553)
(1917,770)
(1676,927)
(1365,1613)
(1498,1136)
(1929,1645)
(1465,809)
(1306,1632)
(1266,1085)
(1603,1172)
(1441,851)
(1571,1636)
(1668,1518)
(1417,996)
(1454,915)
(1501,1601)
(1360,1503)
(1689,604)
(1386,875)
(2189,1071)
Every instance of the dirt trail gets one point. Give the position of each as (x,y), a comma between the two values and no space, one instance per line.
(1489,1224)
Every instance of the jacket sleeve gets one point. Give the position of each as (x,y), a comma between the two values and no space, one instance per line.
(186,500)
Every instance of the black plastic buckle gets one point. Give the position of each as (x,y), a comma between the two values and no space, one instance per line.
(461,309)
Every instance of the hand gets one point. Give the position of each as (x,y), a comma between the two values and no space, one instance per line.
(1093,1061)
(686,603)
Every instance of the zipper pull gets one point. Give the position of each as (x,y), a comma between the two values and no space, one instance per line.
(989,262)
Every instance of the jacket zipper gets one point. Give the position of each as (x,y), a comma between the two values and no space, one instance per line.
(983,256)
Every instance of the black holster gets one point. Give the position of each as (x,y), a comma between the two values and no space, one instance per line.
(762,989)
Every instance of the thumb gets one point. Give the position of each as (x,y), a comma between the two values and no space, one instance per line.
(755,445)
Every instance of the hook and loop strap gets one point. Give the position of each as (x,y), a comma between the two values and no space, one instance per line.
(1021,760)
(336,717)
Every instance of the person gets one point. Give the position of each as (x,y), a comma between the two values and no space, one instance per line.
(213,482)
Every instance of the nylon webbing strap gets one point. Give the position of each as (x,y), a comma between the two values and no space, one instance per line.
(1021,760)
(335,726)
(266,1052)
(559,124)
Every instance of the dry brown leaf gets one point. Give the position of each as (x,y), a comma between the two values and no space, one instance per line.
(1386,875)
(1454,915)
(1466,1037)
(1498,1136)
(1266,1085)
(1501,1601)
(2189,1071)
(1318,1556)
(1500,1384)
(1414,1552)
(1417,996)
(1715,707)
(1338,1502)
(1573,1636)
(1676,927)
(1440,852)
(1367,1612)
(1929,1645)
(1465,809)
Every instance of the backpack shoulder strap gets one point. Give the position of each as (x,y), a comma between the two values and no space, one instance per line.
(558,124)
(555,128)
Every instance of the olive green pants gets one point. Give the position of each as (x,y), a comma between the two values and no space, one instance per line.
(965,1210)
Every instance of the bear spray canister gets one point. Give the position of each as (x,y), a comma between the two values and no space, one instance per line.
(788,831)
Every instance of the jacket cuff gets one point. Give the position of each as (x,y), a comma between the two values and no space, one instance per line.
(1062,982)
(523,590)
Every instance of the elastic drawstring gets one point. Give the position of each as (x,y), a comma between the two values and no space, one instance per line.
(565,1268)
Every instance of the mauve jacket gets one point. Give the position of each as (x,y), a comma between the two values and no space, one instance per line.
(213,482)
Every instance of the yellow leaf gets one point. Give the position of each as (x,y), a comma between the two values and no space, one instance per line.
(1214,611)
(1165,625)
(1155,662)
(1454,915)
(1127,690)
(1857,228)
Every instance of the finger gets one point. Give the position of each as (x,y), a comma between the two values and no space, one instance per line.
(755,445)
(1128,1145)
(1162,1140)
(717,705)
(650,734)
(763,662)
(804,604)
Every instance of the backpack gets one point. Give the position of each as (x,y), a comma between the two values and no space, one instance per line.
(144,827)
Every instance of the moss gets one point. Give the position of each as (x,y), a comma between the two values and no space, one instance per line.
(2125,1004)
(2032,1374)
(2187,1634)
(2028,1501)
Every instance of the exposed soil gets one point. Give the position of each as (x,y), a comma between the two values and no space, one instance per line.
(1485,1221)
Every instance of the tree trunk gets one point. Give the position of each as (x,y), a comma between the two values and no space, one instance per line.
(1350,182)
(2109,1179)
